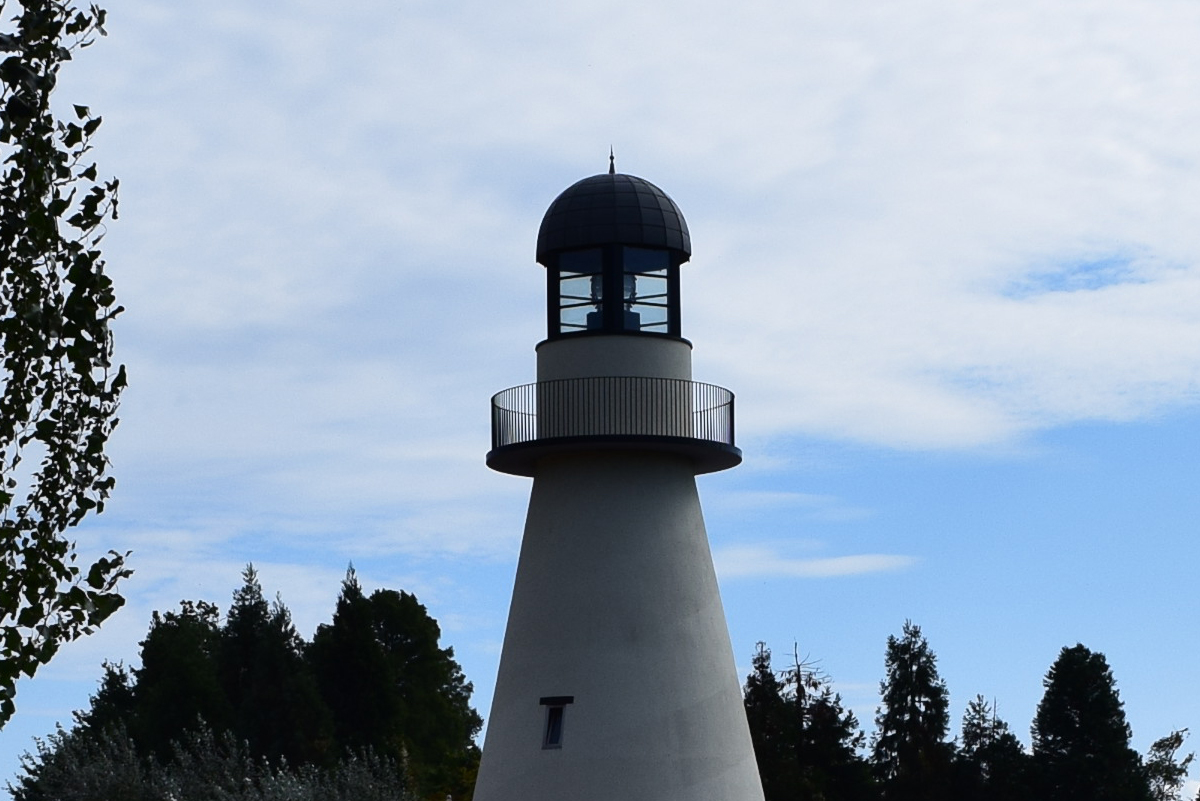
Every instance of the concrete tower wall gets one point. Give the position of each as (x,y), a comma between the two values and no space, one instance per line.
(643,356)
(616,618)
(616,607)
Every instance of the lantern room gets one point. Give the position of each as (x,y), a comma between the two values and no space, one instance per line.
(612,245)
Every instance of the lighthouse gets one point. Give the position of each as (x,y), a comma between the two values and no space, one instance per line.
(617,680)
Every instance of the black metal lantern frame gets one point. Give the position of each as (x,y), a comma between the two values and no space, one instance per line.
(613,289)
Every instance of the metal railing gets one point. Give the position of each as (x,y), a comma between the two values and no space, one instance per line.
(612,406)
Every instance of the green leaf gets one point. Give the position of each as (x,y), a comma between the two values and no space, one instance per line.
(73,136)
(29,617)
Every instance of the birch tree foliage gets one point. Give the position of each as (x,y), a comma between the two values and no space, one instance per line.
(58,390)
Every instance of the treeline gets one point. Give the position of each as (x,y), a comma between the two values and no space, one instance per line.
(245,708)
(811,748)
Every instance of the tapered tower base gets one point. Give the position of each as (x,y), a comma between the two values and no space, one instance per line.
(617,680)
(616,621)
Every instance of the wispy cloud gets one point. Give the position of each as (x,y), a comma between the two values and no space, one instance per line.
(807,505)
(756,561)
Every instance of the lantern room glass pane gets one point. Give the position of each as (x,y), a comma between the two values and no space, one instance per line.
(645,260)
(646,295)
(580,290)
(651,318)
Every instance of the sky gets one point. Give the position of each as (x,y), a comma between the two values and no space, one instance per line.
(945,253)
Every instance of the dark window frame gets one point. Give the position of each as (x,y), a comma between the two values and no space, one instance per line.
(610,315)
(554,722)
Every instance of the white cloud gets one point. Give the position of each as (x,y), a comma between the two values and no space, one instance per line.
(808,505)
(759,561)
(880,198)
(945,226)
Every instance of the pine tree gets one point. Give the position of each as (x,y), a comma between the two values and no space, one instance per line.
(269,685)
(992,765)
(805,742)
(770,729)
(829,748)
(912,760)
(1080,736)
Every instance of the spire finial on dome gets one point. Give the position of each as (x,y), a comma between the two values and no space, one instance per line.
(612,162)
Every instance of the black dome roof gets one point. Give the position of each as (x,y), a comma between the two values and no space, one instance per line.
(613,210)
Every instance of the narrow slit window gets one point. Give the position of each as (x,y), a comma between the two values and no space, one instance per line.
(554,725)
(552,735)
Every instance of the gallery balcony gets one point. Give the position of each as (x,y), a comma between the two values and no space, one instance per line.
(688,418)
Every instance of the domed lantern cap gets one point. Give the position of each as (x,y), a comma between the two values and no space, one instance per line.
(613,210)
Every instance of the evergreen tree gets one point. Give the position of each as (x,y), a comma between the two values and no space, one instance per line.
(1080,737)
(806,744)
(237,709)
(438,721)
(912,760)
(113,703)
(176,685)
(992,765)
(388,683)
(270,688)
(770,731)
(829,748)
(352,675)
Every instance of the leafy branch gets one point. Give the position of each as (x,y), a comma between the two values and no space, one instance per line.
(59,393)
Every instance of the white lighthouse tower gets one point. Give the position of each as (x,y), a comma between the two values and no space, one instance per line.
(617,680)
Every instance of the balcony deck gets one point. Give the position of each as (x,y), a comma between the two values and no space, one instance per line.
(689,418)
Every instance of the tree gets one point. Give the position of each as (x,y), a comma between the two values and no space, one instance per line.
(268,684)
(830,742)
(247,677)
(236,708)
(176,685)
(438,721)
(768,717)
(806,744)
(1080,736)
(74,766)
(58,392)
(112,704)
(992,765)
(910,755)
(353,675)
(82,765)
(1165,772)
(389,684)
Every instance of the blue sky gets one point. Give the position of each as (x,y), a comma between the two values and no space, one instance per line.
(945,253)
